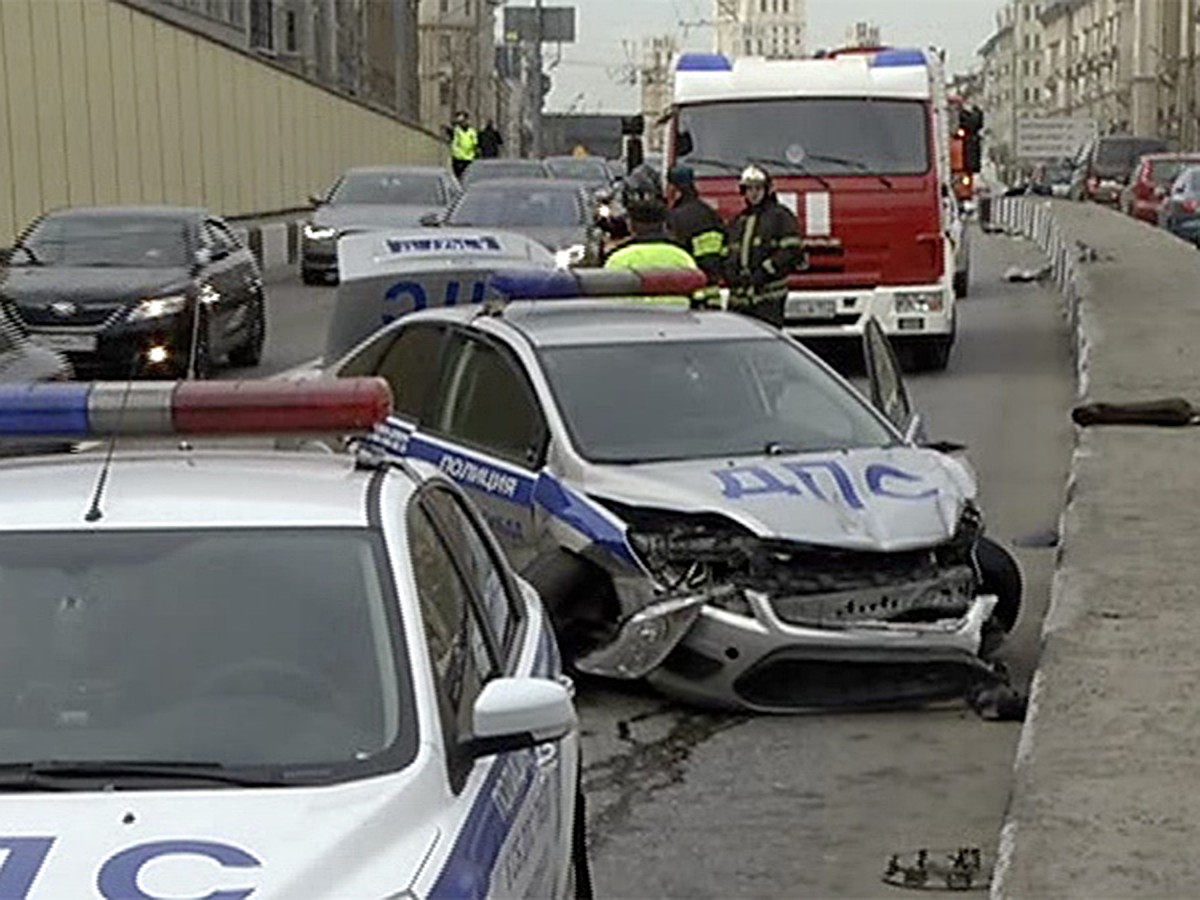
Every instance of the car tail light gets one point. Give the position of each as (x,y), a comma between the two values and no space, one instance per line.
(1189,205)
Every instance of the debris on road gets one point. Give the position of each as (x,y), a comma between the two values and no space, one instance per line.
(1017,275)
(958,870)
(1170,412)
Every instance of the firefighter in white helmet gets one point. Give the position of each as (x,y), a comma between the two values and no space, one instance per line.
(764,247)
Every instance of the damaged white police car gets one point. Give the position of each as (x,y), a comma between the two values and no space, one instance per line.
(249,674)
(698,498)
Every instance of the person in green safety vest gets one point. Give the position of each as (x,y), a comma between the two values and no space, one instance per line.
(464,144)
(649,246)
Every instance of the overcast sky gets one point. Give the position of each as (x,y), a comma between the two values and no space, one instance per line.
(587,76)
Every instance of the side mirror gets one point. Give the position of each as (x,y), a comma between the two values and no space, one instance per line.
(684,144)
(316,199)
(519,713)
(431,220)
(203,257)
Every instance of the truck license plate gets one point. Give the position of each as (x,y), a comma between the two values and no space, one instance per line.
(813,309)
(67,343)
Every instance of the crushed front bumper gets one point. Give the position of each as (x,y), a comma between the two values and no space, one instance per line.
(760,663)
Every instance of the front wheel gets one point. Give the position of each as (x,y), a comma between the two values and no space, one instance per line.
(962,284)
(579,883)
(250,353)
(999,574)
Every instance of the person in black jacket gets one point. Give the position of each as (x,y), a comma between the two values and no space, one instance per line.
(490,141)
(764,247)
(697,226)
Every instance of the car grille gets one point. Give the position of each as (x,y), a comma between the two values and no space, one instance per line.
(90,315)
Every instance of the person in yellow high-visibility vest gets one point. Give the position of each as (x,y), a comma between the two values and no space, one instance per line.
(650,246)
(464,144)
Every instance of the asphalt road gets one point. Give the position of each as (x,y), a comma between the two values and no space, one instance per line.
(690,804)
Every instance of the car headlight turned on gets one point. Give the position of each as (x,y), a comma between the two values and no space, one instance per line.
(570,256)
(920,302)
(158,307)
(319,233)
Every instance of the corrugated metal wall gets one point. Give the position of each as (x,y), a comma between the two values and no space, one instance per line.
(102,104)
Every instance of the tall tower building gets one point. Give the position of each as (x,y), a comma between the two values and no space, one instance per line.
(775,29)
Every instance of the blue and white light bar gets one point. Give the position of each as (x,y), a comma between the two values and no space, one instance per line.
(704,62)
(99,409)
(561,284)
(899,57)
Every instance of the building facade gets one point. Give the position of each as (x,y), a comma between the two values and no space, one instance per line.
(863,34)
(458,61)
(1129,64)
(365,49)
(1013,76)
(775,29)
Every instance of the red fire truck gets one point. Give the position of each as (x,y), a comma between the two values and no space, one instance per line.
(858,145)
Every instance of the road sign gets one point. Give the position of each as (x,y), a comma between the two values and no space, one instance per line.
(1056,138)
(558,24)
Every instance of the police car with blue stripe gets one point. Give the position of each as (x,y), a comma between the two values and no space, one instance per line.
(699,499)
(240,673)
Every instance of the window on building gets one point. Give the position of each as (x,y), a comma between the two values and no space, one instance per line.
(1037,68)
(291,39)
(749,48)
(1025,67)
(762,6)
(262,25)
(444,6)
(786,4)
(445,93)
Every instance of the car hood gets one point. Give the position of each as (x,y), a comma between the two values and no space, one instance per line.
(371,215)
(45,284)
(361,840)
(882,499)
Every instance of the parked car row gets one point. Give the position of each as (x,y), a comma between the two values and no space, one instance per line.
(563,202)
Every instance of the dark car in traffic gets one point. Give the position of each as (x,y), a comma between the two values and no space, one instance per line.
(588,170)
(491,169)
(366,199)
(153,291)
(560,215)
(1103,167)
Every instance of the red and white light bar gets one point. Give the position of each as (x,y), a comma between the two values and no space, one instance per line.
(167,408)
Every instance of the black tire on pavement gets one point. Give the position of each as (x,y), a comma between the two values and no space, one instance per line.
(250,353)
(1000,575)
(962,284)
(311,277)
(204,363)
(580,862)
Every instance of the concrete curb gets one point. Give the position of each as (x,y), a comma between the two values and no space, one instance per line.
(1100,806)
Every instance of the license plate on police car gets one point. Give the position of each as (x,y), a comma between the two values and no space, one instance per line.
(812,309)
(67,343)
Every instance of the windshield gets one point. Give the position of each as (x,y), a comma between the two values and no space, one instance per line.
(1165,171)
(518,206)
(822,136)
(589,171)
(702,399)
(99,241)
(515,168)
(1115,157)
(240,648)
(390,189)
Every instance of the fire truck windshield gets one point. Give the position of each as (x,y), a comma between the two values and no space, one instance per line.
(815,136)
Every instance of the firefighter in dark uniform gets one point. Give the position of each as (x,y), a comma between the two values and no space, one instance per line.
(697,226)
(764,247)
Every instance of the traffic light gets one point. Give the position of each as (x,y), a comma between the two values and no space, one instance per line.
(970,129)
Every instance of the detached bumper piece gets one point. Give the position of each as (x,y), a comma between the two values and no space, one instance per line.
(647,637)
